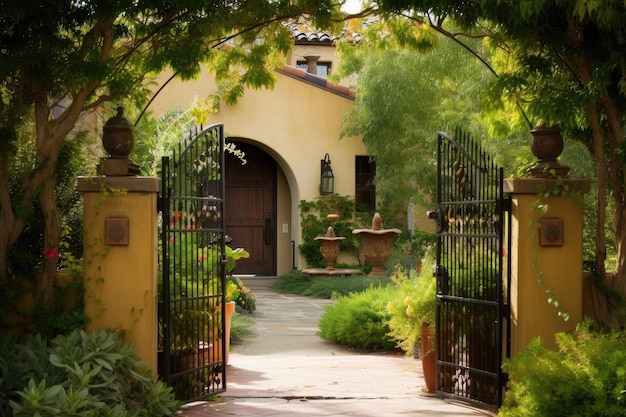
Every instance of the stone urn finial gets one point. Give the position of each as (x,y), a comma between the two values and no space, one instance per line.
(547,145)
(117,139)
(117,136)
(377,222)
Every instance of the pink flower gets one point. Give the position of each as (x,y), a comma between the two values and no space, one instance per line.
(50,253)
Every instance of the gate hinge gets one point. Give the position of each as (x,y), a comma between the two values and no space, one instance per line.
(159,206)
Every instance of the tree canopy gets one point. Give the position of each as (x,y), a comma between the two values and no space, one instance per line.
(563,64)
(409,87)
(62,59)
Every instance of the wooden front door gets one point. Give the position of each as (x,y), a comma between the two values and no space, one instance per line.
(251,209)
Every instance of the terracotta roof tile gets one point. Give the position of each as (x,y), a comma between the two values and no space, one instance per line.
(320,82)
(303,35)
(319,38)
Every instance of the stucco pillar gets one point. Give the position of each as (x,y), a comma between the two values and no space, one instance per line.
(121,259)
(546,246)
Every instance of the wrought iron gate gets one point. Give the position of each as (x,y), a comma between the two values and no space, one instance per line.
(473,332)
(191,296)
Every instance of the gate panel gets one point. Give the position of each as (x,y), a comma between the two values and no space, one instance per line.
(191,296)
(472,273)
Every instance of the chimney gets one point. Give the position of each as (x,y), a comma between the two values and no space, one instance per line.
(311,61)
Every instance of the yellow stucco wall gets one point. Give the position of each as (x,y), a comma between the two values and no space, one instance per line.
(121,280)
(559,267)
(297,124)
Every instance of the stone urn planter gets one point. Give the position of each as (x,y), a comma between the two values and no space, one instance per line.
(376,244)
(117,136)
(547,144)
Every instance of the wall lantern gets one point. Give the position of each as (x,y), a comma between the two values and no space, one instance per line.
(327,180)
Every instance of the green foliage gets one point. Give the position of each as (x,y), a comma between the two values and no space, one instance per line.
(314,223)
(157,138)
(575,83)
(414,304)
(232,256)
(404,98)
(67,252)
(199,313)
(584,377)
(359,319)
(64,68)
(74,159)
(299,283)
(242,296)
(196,282)
(408,250)
(79,375)
(59,318)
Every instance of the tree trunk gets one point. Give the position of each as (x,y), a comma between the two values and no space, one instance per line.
(50,135)
(10,226)
(52,236)
(615,136)
(609,169)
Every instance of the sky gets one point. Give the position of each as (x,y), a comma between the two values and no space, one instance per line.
(352,6)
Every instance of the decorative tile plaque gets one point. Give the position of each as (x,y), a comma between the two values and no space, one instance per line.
(551,232)
(116,230)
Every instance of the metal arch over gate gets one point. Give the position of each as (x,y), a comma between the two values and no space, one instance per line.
(191,296)
(473,270)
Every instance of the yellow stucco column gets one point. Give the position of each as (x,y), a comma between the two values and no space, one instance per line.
(121,259)
(547,247)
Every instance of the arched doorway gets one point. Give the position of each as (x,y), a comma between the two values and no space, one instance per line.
(250,213)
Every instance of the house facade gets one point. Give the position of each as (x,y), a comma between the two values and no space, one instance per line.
(285,133)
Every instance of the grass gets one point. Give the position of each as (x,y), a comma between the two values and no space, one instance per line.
(298,283)
(241,328)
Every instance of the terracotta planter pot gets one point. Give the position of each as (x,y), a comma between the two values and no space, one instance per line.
(230,309)
(212,352)
(428,358)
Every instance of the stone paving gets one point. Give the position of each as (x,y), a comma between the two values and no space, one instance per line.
(287,370)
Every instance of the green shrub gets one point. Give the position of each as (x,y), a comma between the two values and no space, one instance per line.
(64,315)
(585,377)
(79,375)
(414,303)
(359,319)
(299,283)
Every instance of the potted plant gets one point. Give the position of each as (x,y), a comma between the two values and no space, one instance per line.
(209,258)
(413,317)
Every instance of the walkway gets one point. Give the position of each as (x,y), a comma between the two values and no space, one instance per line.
(288,371)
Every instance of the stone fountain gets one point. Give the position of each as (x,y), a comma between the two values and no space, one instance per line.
(376,244)
(329,248)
